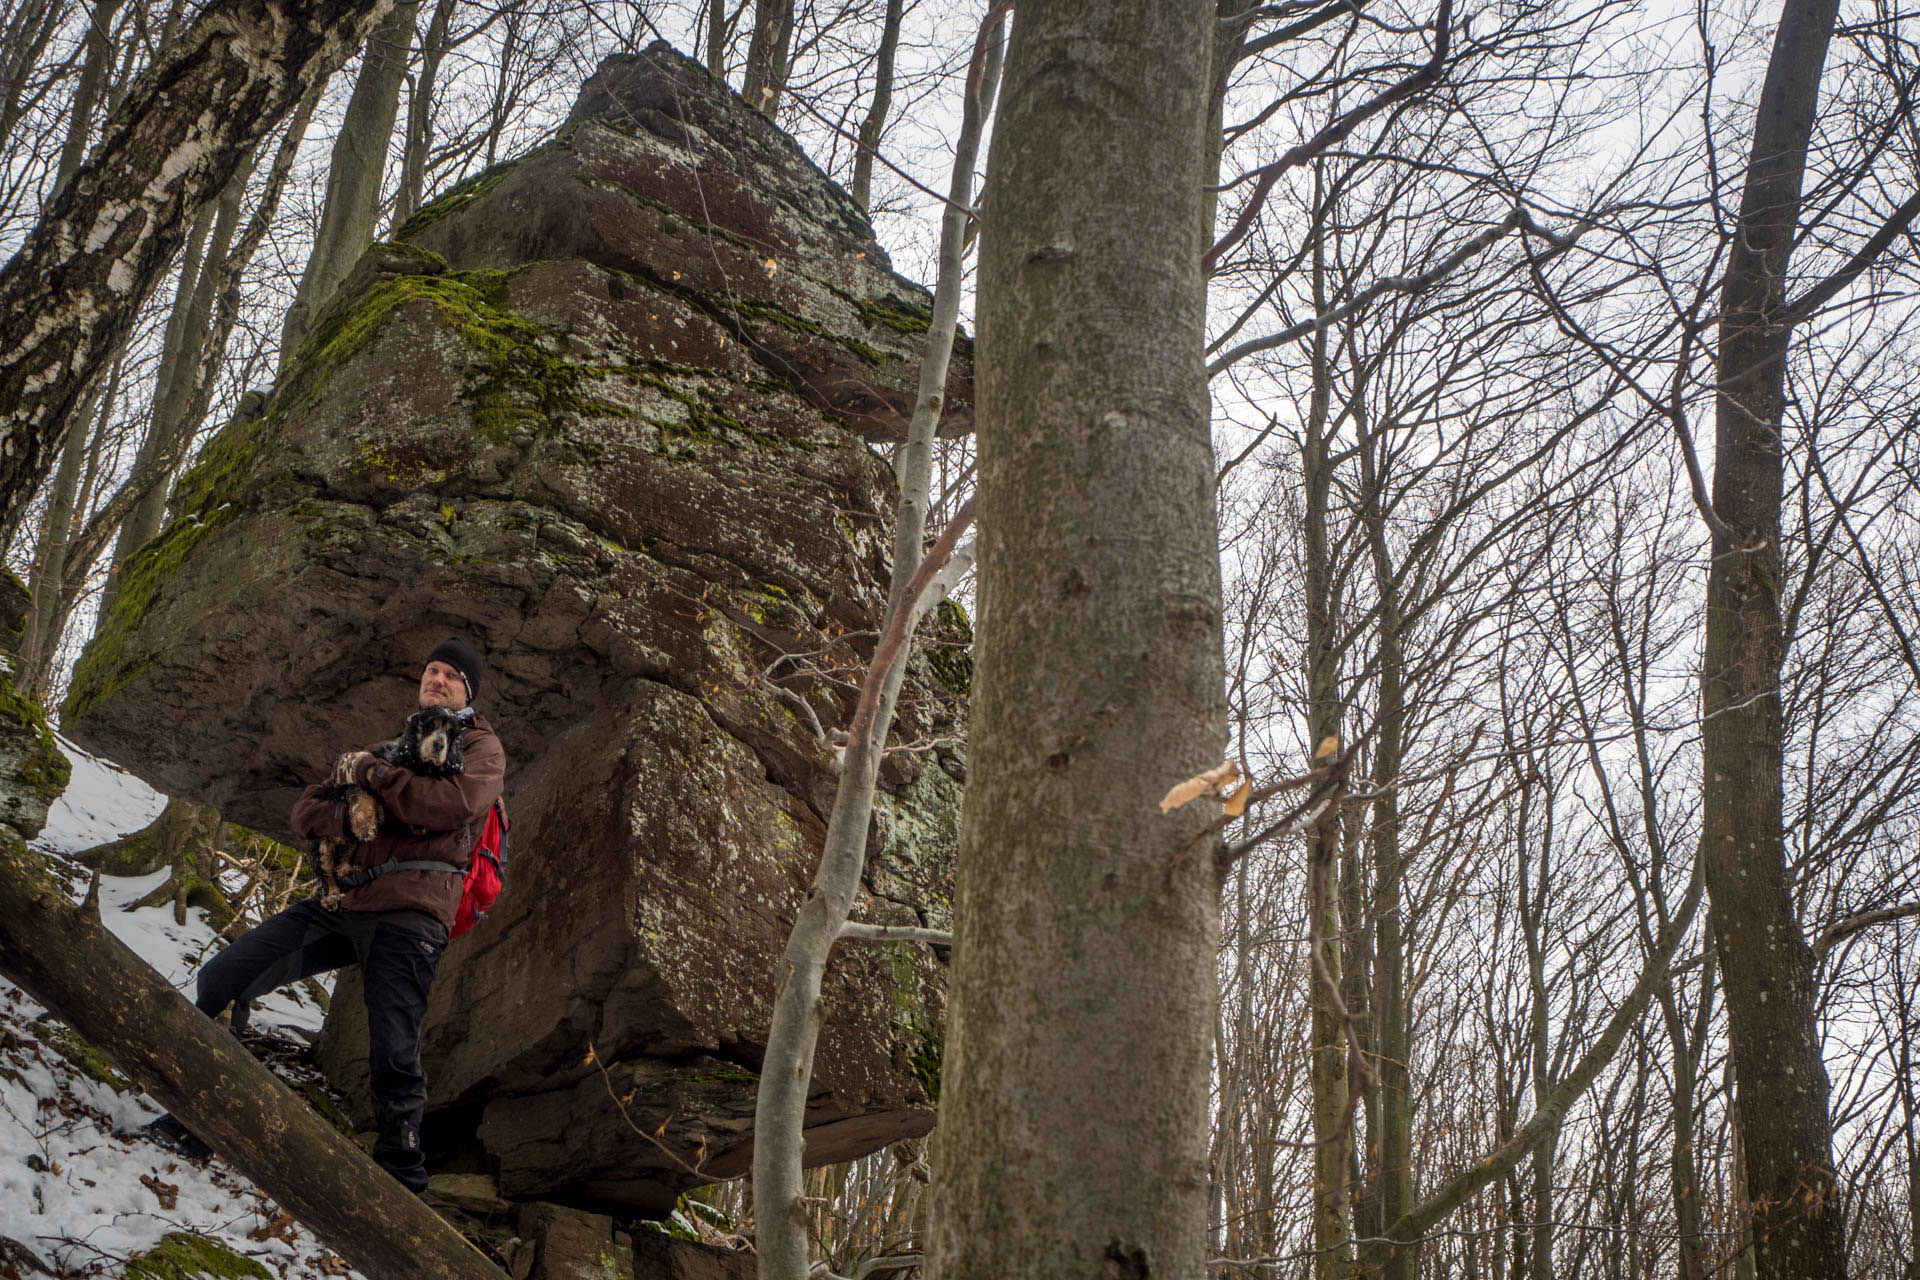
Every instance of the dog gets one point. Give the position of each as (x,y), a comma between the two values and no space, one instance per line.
(429,745)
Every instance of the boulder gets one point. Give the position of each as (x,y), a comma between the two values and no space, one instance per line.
(602,410)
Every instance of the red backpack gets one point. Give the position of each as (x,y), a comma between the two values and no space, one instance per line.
(486,870)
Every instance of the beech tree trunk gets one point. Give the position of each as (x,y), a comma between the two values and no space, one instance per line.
(1074,1100)
(358,163)
(1772,1029)
(62,956)
(69,296)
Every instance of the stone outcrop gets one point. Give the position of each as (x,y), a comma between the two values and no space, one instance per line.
(601,409)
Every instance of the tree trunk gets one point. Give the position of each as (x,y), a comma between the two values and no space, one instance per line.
(46,621)
(1772,1029)
(717,39)
(766,76)
(413,160)
(68,298)
(1084,988)
(65,958)
(354,172)
(1392,1138)
(787,1070)
(86,95)
(876,119)
(169,428)
(1327,1041)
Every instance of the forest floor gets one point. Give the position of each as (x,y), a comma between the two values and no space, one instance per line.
(82,1193)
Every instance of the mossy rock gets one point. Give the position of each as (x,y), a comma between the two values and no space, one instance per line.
(181,1255)
(33,772)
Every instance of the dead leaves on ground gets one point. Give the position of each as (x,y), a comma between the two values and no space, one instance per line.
(167,1193)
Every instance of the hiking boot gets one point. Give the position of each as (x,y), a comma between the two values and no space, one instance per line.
(176,1137)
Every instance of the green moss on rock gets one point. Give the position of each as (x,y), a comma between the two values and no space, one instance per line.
(895,313)
(458,197)
(183,1256)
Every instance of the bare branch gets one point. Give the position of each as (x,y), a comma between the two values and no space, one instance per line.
(1268,175)
(856,932)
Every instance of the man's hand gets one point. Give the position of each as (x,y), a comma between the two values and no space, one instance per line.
(347,768)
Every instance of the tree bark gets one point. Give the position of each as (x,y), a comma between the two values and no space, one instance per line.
(69,296)
(62,956)
(358,163)
(766,76)
(1772,1027)
(1392,1136)
(787,1069)
(875,122)
(1084,986)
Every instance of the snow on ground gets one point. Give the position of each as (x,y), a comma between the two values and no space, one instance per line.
(73,1191)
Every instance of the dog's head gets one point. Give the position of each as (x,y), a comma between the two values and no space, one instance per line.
(431,743)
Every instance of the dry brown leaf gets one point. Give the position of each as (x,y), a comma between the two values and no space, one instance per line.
(1326,748)
(167,1193)
(1212,782)
(1236,804)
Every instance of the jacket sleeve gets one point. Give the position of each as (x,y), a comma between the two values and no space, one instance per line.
(314,816)
(441,804)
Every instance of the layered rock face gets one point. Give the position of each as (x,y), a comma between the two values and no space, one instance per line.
(601,412)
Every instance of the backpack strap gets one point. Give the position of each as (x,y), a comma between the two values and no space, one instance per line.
(354,879)
(367,875)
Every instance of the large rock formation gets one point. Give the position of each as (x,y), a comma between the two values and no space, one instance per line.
(601,412)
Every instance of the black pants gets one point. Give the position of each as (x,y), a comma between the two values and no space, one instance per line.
(397,952)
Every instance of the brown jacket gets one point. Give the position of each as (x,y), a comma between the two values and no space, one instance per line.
(428,820)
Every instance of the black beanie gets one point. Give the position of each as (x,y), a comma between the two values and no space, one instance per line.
(457,653)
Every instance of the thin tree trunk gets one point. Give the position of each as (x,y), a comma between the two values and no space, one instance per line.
(766,76)
(787,1070)
(86,95)
(25,39)
(107,238)
(1327,1042)
(354,172)
(52,600)
(413,161)
(717,38)
(1393,1138)
(1772,1028)
(1084,984)
(876,120)
(168,428)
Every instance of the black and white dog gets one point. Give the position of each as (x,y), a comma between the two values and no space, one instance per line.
(429,745)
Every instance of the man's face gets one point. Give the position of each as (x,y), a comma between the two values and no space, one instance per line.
(441,686)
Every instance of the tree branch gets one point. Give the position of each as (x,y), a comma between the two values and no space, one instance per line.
(1268,175)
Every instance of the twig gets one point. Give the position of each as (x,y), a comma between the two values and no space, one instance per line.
(857,932)
(593,1056)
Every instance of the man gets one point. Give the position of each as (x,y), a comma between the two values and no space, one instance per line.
(392,922)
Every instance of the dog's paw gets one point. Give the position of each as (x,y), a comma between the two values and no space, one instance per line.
(363,815)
